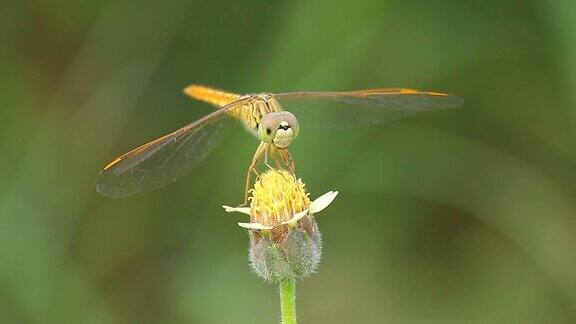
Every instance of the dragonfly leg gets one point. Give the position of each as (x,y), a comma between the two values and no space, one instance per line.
(278,165)
(270,148)
(269,166)
(287,158)
(288,162)
(252,169)
(273,151)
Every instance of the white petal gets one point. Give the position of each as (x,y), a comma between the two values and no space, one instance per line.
(254,226)
(243,210)
(296,218)
(322,202)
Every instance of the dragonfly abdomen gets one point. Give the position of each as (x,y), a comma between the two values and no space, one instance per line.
(215,97)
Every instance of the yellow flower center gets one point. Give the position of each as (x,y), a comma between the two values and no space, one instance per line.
(277,196)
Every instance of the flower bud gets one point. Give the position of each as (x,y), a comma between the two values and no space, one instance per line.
(286,252)
(285,242)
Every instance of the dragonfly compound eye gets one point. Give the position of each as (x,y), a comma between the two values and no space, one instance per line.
(278,128)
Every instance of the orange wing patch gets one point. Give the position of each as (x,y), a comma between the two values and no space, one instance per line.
(398,91)
(135,151)
(111,164)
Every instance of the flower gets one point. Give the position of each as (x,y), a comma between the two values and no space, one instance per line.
(279,199)
(285,242)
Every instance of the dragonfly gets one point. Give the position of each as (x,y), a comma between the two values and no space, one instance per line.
(168,158)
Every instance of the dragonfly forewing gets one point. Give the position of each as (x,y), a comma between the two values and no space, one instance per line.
(344,110)
(165,159)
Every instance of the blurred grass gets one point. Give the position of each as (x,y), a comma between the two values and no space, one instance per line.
(463,216)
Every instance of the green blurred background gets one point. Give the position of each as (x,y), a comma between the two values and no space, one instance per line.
(461,216)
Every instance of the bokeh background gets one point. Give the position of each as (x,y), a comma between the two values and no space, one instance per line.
(460,216)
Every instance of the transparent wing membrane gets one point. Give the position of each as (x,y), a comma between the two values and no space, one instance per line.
(169,157)
(165,159)
(344,110)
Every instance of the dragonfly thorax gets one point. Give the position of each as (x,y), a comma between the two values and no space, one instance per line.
(278,128)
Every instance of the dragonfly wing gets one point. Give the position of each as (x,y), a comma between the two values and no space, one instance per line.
(344,110)
(165,159)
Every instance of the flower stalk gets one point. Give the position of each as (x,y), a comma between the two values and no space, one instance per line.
(288,301)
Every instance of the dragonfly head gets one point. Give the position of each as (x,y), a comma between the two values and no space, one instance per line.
(278,128)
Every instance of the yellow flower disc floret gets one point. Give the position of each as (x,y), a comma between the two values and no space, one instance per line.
(277,196)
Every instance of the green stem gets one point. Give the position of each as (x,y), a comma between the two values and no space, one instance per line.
(288,301)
